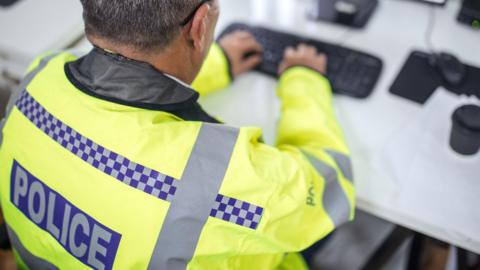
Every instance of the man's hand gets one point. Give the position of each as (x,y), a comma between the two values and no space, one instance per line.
(242,50)
(306,56)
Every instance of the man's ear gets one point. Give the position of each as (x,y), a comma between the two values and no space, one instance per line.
(199,26)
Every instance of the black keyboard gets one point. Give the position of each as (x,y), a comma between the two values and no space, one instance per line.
(350,72)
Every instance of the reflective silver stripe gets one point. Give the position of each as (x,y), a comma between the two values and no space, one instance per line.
(33,262)
(23,85)
(195,197)
(344,163)
(335,201)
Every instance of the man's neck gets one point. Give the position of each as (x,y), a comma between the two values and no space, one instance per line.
(171,61)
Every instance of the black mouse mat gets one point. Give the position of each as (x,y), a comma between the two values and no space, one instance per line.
(418,80)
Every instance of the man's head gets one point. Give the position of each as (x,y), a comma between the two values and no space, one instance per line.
(147,30)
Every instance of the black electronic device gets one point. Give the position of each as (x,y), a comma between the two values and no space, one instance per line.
(470,13)
(352,13)
(465,134)
(7,3)
(352,73)
(346,12)
(450,68)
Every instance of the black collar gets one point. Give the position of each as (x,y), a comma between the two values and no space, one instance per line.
(128,82)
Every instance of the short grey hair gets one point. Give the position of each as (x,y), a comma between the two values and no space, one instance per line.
(142,24)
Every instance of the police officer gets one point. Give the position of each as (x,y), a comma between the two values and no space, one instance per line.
(109,162)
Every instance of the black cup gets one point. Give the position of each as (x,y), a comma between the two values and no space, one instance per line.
(465,135)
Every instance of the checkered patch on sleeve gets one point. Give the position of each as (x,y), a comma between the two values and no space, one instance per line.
(237,211)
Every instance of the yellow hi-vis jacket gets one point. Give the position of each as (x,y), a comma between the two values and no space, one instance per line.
(90,183)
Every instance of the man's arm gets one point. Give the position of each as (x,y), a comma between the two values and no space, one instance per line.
(309,124)
(215,73)
(307,177)
(226,61)
(308,120)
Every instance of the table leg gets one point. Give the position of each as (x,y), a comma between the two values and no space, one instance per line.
(415,256)
(388,248)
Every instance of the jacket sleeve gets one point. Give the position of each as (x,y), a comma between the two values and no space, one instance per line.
(215,73)
(307,177)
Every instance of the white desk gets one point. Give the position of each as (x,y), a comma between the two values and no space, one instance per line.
(396,28)
(32,27)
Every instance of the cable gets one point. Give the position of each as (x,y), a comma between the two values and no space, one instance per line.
(429,29)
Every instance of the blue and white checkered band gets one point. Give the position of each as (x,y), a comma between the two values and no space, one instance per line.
(135,175)
(121,168)
(237,211)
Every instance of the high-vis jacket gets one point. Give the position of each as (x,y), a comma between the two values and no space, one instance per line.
(106,163)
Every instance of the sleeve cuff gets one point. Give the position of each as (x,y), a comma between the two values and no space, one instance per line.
(303,70)
(309,78)
(229,63)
